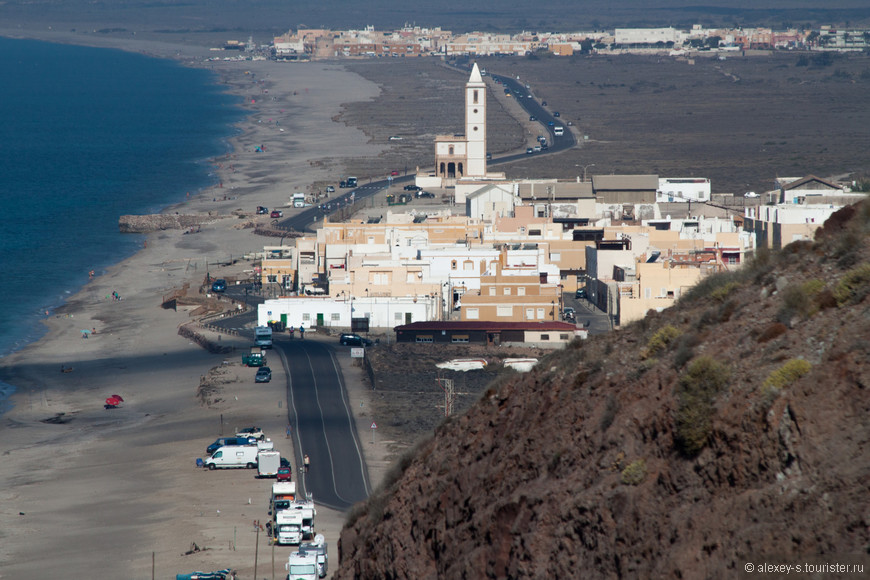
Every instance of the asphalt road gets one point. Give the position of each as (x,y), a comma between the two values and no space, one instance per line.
(323,425)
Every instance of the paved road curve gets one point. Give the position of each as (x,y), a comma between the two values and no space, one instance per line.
(323,425)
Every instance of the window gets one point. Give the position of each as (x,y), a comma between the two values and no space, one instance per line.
(521,291)
(427,339)
(492,290)
(453,264)
(555,256)
(472,313)
(306,317)
(530,313)
(399,317)
(647,292)
(534,232)
(507,291)
(503,311)
(474,96)
(540,313)
(664,293)
(564,337)
(450,150)
(468,266)
(335,316)
(272,278)
(371,240)
(459,338)
(545,337)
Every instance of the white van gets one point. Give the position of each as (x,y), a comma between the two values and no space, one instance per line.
(298,199)
(558,130)
(268,462)
(233,456)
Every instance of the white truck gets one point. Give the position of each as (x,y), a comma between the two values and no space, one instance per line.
(283,494)
(288,527)
(302,565)
(318,547)
(268,462)
(298,199)
(263,336)
(230,456)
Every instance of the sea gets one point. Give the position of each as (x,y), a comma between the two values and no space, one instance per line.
(88,135)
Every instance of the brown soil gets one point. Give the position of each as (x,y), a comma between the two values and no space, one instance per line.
(741,122)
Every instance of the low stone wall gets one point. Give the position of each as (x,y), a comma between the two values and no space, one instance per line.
(190,333)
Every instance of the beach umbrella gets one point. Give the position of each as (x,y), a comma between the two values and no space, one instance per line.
(119,397)
(85,331)
(113,401)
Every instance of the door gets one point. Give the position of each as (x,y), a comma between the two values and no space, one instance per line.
(319,319)
(284,320)
(407,318)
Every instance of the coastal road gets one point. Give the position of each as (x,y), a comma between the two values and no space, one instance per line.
(323,424)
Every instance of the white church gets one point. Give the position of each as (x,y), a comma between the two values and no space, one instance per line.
(460,160)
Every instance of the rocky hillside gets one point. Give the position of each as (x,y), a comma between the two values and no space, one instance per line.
(731,427)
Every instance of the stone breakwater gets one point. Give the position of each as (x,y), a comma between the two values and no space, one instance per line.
(143,224)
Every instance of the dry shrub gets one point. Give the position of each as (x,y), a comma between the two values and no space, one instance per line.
(772,331)
(698,388)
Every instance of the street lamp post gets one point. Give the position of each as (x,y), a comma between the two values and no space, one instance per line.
(584,170)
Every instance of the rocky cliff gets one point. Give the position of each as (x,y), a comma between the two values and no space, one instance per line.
(732,428)
(143,224)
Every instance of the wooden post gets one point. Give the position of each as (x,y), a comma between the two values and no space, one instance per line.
(152,565)
(256,550)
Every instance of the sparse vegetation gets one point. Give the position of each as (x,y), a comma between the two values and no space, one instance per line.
(634,473)
(800,300)
(698,388)
(782,377)
(717,286)
(772,331)
(854,285)
(661,339)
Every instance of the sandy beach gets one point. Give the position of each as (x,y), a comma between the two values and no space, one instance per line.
(104,493)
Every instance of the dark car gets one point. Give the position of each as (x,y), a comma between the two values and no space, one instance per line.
(221,441)
(330,189)
(262,210)
(581,293)
(543,103)
(532,118)
(412,187)
(529,151)
(342,184)
(489,155)
(556,114)
(264,375)
(425,194)
(354,340)
(219,285)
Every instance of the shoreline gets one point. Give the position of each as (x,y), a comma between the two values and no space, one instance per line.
(125,477)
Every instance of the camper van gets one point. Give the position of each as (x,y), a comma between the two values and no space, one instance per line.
(298,199)
(231,456)
(558,130)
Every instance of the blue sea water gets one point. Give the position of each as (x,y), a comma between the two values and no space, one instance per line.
(87,135)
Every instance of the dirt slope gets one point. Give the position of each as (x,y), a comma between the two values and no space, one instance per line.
(732,428)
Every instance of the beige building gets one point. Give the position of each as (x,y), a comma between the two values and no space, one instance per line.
(513,298)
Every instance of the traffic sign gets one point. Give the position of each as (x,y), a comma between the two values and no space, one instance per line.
(374,425)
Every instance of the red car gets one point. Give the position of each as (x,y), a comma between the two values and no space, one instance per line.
(394,173)
(284,474)
(277,213)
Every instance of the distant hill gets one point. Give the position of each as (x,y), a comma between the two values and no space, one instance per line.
(731,427)
(267,17)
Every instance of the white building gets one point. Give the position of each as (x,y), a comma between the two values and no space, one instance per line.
(382,311)
(683,189)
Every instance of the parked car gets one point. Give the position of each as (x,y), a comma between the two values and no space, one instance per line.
(261,210)
(543,103)
(219,285)
(529,151)
(342,184)
(489,155)
(330,189)
(276,213)
(284,473)
(412,187)
(254,432)
(426,194)
(264,375)
(556,114)
(750,194)
(393,173)
(354,340)
(223,441)
(569,315)
(580,293)
(532,118)
(537,149)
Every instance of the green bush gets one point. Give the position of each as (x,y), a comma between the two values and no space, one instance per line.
(634,473)
(721,293)
(717,285)
(662,338)
(697,390)
(785,375)
(853,286)
(800,300)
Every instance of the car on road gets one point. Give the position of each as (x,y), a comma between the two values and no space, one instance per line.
(219,285)
(537,149)
(568,314)
(264,375)
(425,194)
(550,123)
(394,173)
(395,138)
(262,210)
(529,151)
(580,293)
(342,184)
(532,118)
(412,187)
(556,114)
(353,340)
(330,189)
(251,432)
(276,213)
(489,155)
